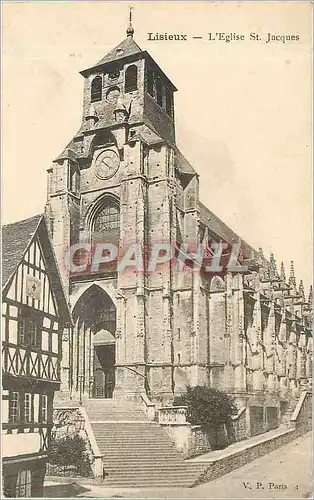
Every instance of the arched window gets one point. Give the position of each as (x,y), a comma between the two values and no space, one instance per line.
(131,78)
(96,89)
(106,225)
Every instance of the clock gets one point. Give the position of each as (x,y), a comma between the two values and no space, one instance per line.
(107,164)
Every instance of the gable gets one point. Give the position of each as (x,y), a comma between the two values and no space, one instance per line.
(15,239)
(31,271)
(31,282)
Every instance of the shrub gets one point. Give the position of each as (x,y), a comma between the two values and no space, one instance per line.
(69,450)
(206,406)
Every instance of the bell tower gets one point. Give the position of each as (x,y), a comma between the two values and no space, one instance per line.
(127,85)
(115,182)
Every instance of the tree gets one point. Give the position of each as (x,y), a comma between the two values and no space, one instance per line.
(206,406)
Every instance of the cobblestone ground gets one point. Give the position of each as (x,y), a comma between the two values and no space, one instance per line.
(283,473)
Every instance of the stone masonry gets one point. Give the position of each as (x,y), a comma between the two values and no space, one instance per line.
(123,180)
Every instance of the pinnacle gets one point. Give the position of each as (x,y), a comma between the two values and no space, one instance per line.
(292,280)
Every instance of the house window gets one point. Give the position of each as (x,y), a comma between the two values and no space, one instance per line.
(131,78)
(22,330)
(24,484)
(43,407)
(27,407)
(179,358)
(33,332)
(179,334)
(159,91)
(29,331)
(96,89)
(14,407)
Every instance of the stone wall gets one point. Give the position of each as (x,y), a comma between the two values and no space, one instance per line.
(191,440)
(302,423)
(236,460)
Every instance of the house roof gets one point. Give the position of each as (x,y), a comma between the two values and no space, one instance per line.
(16,238)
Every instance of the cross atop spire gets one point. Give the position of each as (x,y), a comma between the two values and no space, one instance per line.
(130,29)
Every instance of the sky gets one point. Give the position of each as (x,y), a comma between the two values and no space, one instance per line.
(243,109)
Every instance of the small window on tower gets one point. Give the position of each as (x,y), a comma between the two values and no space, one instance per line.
(131,78)
(74,179)
(159,91)
(169,102)
(114,74)
(96,89)
(150,82)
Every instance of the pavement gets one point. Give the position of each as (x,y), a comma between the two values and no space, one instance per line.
(283,473)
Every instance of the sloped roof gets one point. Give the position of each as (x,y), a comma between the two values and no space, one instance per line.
(183,165)
(16,238)
(126,48)
(217,226)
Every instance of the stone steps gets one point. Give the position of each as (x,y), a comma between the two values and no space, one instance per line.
(137,452)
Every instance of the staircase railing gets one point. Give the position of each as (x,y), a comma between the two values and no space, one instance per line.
(147,406)
(301,416)
(97,466)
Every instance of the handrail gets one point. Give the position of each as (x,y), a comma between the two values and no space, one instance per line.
(299,405)
(90,433)
(239,414)
(98,465)
(148,406)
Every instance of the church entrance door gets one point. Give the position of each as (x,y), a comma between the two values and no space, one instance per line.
(94,342)
(104,378)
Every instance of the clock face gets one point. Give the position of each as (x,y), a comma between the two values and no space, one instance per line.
(107,164)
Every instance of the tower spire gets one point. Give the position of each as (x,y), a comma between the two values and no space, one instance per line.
(130,29)
(301,290)
(272,267)
(292,281)
(282,272)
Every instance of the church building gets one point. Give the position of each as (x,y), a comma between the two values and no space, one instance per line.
(123,181)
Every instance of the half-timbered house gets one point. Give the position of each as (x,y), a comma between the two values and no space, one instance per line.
(35,315)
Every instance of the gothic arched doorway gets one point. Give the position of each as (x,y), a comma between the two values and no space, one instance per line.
(94,344)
